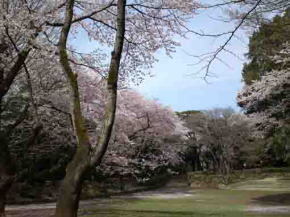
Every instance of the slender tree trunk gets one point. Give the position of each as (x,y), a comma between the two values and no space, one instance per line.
(6,174)
(4,188)
(7,169)
(2,205)
(68,201)
(86,156)
(112,86)
(2,200)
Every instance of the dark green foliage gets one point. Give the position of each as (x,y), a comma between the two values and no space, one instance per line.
(14,108)
(268,56)
(35,157)
(188,112)
(263,45)
(276,170)
(279,147)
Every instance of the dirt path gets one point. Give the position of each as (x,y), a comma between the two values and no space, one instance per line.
(269,209)
(46,209)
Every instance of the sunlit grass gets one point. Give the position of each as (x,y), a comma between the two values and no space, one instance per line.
(203,203)
(266,184)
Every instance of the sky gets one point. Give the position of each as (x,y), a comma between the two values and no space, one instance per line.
(177,81)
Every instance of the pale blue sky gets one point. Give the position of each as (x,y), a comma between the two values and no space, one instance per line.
(174,83)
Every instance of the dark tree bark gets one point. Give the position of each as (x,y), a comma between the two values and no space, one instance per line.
(6,165)
(6,173)
(87,156)
(14,71)
(6,182)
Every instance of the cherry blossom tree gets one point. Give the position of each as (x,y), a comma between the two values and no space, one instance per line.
(31,30)
(139,16)
(219,136)
(149,137)
(140,145)
(22,33)
(266,100)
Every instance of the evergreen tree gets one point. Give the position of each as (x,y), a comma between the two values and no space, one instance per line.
(263,45)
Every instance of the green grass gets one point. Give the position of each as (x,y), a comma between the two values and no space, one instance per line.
(266,184)
(203,203)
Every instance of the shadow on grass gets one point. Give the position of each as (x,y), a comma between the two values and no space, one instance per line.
(276,199)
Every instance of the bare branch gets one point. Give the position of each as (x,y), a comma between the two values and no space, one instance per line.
(87,16)
(232,34)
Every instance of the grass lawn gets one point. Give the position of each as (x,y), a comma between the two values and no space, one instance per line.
(231,202)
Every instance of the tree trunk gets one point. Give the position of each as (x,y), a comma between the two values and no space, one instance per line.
(2,206)
(6,173)
(6,181)
(87,156)
(4,188)
(68,201)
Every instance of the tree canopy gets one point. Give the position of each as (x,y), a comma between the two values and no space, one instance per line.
(263,46)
